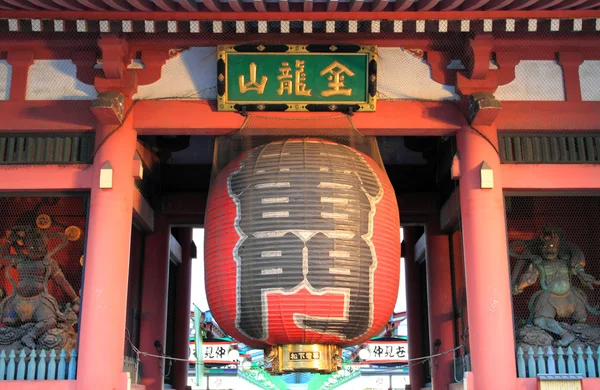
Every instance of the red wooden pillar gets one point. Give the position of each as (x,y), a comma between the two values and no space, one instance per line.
(487,276)
(183,297)
(103,315)
(153,322)
(414,310)
(439,298)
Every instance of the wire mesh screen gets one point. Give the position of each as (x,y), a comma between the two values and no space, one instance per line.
(555,266)
(262,129)
(42,257)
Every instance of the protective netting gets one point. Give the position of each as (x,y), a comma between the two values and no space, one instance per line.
(554,269)
(259,129)
(42,259)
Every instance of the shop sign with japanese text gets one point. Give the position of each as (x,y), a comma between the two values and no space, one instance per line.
(388,352)
(297,78)
(213,352)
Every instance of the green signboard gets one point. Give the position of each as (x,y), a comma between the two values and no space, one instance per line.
(297,78)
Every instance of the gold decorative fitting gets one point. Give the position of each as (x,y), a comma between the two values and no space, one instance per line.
(261,48)
(373,78)
(261,107)
(333,107)
(333,48)
(73,233)
(221,77)
(317,358)
(21,233)
(81,260)
(43,221)
(20,242)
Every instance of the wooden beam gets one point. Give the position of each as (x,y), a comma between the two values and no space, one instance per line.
(421,250)
(284,6)
(72,5)
(402,5)
(199,118)
(260,5)
(468,12)
(190,5)
(474,5)
(45,177)
(19,4)
(549,116)
(450,212)
(356,5)
(142,5)
(143,214)
(120,5)
(212,5)
(45,4)
(236,5)
(449,5)
(550,177)
(332,5)
(175,252)
(61,116)
(166,5)
(379,5)
(93,4)
(308,5)
(426,5)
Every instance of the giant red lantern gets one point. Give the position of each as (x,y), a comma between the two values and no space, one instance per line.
(302,251)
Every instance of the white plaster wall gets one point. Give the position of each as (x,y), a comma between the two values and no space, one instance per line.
(402,76)
(534,80)
(5,77)
(589,80)
(55,80)
(192,74)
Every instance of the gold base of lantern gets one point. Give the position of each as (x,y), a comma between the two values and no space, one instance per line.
(318,358)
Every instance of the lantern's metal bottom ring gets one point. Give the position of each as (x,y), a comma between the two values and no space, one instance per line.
(317,358)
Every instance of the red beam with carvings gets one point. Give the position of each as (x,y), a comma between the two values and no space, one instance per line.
(392,118)
(45,178)
(550,177)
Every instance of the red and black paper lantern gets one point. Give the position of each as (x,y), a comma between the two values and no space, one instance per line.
(302,245)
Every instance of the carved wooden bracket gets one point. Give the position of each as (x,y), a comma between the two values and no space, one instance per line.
(480,50)
(483,109)
(115,56)
(85,61)
(477,75)
(20,61)
(109,108)
(570,62)
(153,60)
(115,60)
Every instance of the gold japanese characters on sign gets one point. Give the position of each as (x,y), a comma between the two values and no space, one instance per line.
(296,78)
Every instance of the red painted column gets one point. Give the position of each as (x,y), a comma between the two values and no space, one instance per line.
(103,314)
(491,336)
(414,313)
(183,299)
(153,322)
(439,298)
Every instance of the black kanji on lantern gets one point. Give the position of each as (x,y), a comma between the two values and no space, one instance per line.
(304,215)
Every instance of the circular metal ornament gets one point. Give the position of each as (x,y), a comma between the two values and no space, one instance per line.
(81,260)
(73,233)
(43,221)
